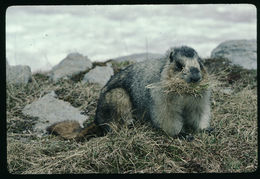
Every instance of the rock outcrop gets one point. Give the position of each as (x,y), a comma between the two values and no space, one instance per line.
(50,110)
(18,74)
(138,57)
(239,52)
(73,64)
(99,75)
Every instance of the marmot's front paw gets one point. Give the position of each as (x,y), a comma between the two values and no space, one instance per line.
(185,136)
(209,130)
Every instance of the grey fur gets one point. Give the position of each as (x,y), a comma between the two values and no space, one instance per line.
(171,112)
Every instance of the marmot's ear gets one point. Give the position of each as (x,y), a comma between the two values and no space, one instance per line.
(171,56)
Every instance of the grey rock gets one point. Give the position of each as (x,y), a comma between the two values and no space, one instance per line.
(18,74)
(239,52)
(50,110)
(138,57)
(73,64)
(99,75)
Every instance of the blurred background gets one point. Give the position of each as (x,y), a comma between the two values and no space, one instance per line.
(41,36)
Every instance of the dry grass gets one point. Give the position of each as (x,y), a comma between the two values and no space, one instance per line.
(232,147)
(178,86)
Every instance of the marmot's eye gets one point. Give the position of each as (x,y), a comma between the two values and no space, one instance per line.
(179,65)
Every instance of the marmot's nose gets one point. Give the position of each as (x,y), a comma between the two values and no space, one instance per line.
(194,70)
(195,74)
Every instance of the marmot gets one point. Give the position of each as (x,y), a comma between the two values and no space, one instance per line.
(169,92)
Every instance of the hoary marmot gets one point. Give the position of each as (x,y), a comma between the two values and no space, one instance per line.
(172,93)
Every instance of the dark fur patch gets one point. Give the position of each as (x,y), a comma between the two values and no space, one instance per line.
(185,51)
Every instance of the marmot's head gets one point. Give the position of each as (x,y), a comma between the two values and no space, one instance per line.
(187,61)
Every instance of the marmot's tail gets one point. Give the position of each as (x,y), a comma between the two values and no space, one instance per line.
(72,130)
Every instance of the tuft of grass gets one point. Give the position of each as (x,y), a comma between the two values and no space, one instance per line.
(231,147)
(117,66)
(178,86)
(231,75)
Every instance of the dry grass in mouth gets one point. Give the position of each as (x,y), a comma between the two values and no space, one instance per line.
(178,86)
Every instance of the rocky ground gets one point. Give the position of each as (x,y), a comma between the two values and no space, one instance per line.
(46,98)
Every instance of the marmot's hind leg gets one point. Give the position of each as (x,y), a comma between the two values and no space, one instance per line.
(114,105)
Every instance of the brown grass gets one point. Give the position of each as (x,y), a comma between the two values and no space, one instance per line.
(232,147)
(178,86)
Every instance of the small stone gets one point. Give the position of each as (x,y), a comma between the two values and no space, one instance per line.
(99,75)
(19,74)
(73,64)
(50,110)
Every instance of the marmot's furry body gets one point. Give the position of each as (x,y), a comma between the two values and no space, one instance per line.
(127,94)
